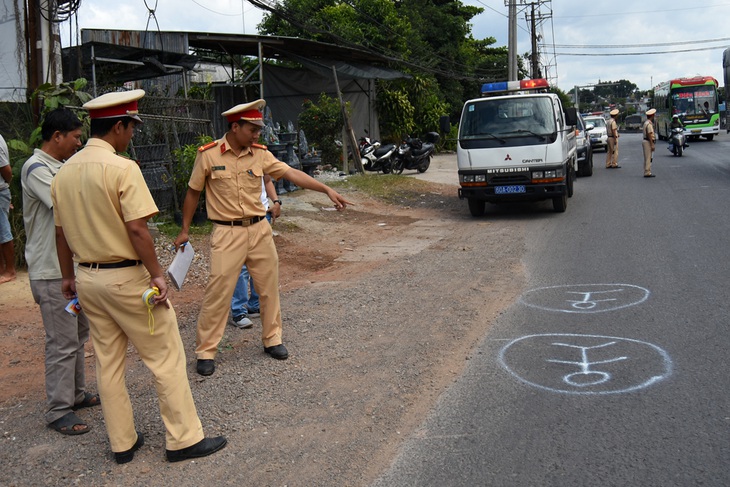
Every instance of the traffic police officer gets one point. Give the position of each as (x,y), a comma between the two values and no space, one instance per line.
(101,206)
(648,142)
(230,170)
(612,149)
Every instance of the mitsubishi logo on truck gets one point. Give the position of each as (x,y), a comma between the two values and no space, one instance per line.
(508,158)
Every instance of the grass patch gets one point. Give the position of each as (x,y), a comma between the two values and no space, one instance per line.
(391,188)
(172,229)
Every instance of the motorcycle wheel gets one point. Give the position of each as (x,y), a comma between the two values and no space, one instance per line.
(424,165)
(679,150)
(387,168)
(398,166)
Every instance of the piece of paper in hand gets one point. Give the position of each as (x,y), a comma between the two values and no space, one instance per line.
(180,265)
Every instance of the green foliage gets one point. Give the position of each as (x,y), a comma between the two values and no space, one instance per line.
(322,124)
(565,99)
(612,90)
(184,162)
(432,37)
(395,112)
(50,97)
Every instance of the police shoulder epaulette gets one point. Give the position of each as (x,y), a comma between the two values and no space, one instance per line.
(260,146)
(207,146)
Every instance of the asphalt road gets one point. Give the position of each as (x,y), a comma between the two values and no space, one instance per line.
(611,369)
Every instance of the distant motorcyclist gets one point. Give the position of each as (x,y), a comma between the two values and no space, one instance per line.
(676,123)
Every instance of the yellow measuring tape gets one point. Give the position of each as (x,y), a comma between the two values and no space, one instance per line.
(149,299)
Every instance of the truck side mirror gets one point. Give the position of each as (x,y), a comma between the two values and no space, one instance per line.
(445,124)
(571,116)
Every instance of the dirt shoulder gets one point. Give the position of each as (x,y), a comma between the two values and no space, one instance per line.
(382,306)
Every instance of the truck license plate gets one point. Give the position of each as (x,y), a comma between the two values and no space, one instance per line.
(509,189)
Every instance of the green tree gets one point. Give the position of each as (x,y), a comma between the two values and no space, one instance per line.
(322,123)
(431,39)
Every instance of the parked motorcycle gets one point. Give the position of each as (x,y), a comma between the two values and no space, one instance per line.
(678,141)
(415,154)
(376,157)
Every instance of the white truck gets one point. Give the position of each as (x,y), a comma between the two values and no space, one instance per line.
(516,143)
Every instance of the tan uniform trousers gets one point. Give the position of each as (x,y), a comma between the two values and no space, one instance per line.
(112,300)
(612,152)
(231,248)
(646,145)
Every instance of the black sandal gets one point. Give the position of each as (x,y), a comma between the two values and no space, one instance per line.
(65,425)
(90,400)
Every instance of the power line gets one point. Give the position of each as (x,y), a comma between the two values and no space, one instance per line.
(630,46)
(640,53)
(653,12)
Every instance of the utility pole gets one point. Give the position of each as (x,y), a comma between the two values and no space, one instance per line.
(535,71)
(512,41)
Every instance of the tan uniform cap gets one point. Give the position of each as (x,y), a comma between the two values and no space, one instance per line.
(115,104)
(650,112)
(250,112)
(613,112)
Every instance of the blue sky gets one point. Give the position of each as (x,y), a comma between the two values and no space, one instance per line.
(573,23)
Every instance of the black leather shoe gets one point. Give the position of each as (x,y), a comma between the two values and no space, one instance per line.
(128,456)
(203,448)
(279,352)
(649,176)
(206,366)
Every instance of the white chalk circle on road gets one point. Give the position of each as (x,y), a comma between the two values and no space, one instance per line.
(585,364)
(585,298)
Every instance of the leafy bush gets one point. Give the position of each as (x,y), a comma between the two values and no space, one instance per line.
(322,124)
(184,162)
(395,113)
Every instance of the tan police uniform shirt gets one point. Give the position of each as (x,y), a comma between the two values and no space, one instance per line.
(115,192)
(233,183)
(612,128)
(649,132)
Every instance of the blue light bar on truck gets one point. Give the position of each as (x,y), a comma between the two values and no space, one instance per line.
(521,85)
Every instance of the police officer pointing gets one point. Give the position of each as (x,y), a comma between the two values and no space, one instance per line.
(230,170)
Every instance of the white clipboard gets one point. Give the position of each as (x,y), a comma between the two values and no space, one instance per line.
(180,265)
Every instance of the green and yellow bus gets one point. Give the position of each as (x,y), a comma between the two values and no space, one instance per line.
(696,102)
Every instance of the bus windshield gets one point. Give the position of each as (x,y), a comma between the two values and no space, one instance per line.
(508,117)
(694,100)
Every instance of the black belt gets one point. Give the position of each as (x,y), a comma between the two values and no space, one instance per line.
(111,265)
(240,223)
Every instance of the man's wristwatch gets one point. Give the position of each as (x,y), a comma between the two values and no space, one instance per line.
(277,201)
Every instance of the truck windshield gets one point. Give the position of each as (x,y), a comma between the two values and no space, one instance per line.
(508,117)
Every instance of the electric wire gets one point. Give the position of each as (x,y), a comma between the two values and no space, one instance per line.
(419,63)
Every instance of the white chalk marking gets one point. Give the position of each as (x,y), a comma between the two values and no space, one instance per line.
(579,382)
(593,297)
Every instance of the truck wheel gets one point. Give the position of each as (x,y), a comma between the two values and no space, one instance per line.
(476,207)
(710,137)
(588,170)
(569,182)
(560,203)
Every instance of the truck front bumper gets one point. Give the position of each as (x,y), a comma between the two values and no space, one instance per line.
(533,192)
